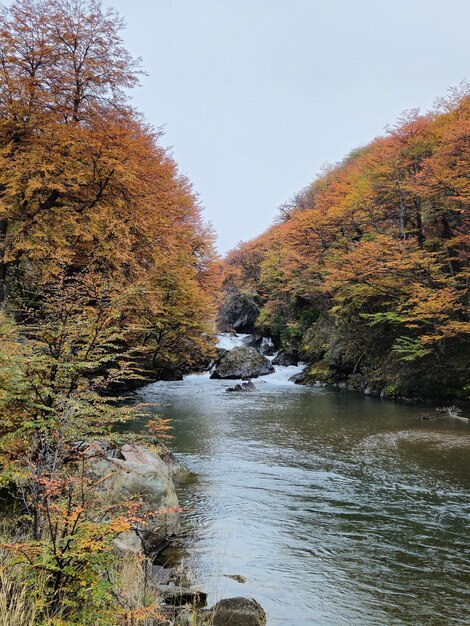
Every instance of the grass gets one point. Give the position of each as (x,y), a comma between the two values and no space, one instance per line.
(16,607)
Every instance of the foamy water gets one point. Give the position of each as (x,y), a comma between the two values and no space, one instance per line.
(281,375)
(228,341)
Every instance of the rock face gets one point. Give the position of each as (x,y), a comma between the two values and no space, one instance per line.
(286,358)
(238,313)
(235,612)
(242,363)
(134,472)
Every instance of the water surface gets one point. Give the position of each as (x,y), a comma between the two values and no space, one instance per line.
(337,508)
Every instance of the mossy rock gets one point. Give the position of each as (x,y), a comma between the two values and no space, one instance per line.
(242,363)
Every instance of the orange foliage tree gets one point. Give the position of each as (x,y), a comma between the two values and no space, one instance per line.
(106,269)
(84,184)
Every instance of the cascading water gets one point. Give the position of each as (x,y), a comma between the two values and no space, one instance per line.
(228,341)
(282,374)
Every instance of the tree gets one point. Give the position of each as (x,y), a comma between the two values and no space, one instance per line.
(84,184)
(107,275)
(52,374)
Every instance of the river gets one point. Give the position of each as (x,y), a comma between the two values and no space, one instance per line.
(336,508)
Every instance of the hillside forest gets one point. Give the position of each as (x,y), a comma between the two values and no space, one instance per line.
(365,273)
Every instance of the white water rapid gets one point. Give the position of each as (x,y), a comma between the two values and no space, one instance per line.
(281,375)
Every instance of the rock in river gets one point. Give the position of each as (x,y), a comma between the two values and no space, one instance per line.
(235,612)
(242,363)
(248,386)
(286,358)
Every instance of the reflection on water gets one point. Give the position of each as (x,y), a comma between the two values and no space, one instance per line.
(337,508)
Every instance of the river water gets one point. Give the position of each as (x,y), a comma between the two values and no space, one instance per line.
(336,508)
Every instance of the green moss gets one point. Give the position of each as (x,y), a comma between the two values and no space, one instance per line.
(319,372)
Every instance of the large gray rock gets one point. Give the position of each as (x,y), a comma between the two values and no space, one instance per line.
(286,358)
(138,473)
(235,612)
(239,313)
(242,363)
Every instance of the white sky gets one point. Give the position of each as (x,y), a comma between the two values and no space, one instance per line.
(255,95)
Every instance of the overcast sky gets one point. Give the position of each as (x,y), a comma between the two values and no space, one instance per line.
(256,95)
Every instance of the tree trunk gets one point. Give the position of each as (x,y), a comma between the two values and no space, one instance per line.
(3,263)
(446,233)
(419,222)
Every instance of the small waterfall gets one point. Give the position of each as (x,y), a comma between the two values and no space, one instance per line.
(266,345)
(281,375)
(228,341)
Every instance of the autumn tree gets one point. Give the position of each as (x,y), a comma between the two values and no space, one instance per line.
(107,278)
(84,184)
(53,371)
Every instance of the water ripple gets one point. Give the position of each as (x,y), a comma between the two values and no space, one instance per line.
(338,509)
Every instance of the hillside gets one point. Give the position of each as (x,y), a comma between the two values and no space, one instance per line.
(366,271)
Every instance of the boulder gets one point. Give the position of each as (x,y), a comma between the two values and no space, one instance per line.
(137,473)
(238,313)
(248,386)
(286,358)
(251,341)
(160,575)
(301,378)
(242,363)
(235,612)
(182,596)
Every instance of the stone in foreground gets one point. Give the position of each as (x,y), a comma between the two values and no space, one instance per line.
(235,612)
(242,363)
(134,472)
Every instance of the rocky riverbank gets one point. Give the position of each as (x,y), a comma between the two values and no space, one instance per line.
(135,472)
